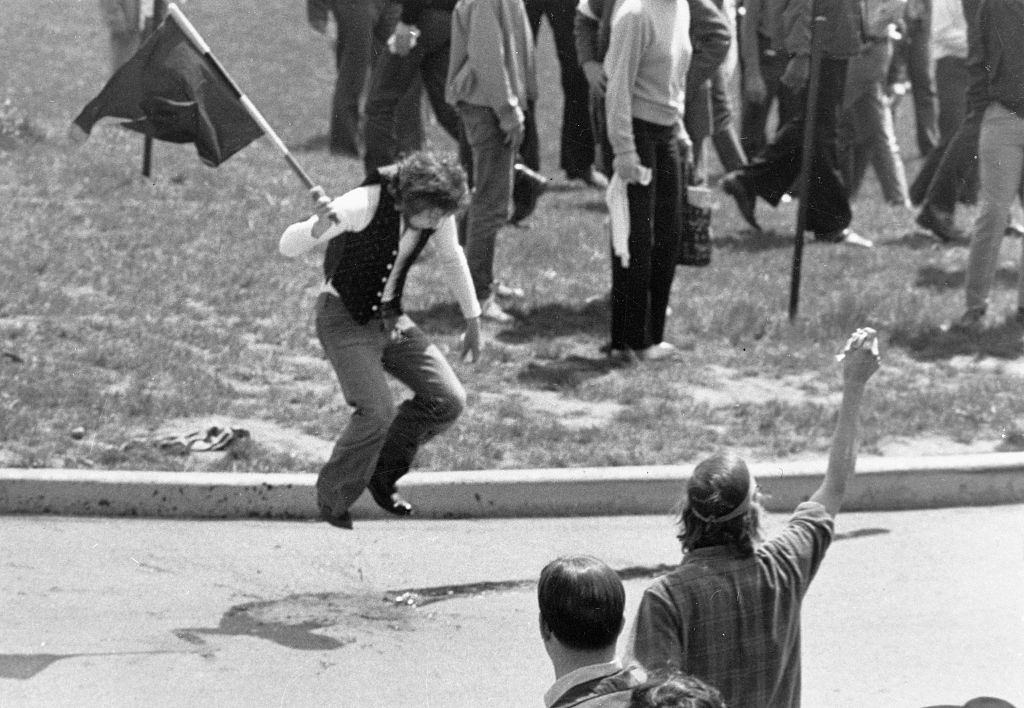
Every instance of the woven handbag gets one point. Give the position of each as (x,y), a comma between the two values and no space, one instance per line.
(695,241)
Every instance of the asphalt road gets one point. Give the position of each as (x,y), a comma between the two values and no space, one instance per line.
(909,609)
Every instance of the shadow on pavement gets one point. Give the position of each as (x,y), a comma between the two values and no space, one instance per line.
(24,666)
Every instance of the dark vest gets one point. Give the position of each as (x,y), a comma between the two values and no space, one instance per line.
(359,263)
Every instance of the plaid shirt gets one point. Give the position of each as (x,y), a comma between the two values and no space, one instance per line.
(735,622)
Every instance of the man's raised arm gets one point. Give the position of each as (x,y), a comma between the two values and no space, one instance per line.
(860,360)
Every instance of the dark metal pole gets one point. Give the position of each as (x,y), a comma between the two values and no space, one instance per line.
(159,10)
(810,116)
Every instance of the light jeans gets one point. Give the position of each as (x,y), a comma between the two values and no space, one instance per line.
(493,160)
(866,131)
(1001,159)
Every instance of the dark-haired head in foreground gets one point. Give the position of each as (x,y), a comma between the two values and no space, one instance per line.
(581,603)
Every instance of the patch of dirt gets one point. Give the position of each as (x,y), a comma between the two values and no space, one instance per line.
(732,387)
(729,387)
(572,413)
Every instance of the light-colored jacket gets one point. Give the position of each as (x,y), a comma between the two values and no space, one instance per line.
(646,65)
(491,62)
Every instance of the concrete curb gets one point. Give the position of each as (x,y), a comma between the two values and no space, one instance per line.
(881,483)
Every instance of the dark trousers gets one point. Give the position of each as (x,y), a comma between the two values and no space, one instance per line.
(774,172)
(640,292)
(392,79)
(754,122)
(709,113)
(577,141)
(363,29)
(599,128)
(915,55)
(380,442)
(952,81)
(958,164)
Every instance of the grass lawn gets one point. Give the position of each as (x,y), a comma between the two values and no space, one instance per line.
(133,308)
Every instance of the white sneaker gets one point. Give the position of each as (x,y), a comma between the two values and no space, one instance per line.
(661,350)
(491,310)
(500,289)
(852,238)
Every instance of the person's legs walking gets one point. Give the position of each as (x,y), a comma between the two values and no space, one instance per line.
(354,51)
(828,205)
(390,82)
(853,139)
(951,82)
(697,120)
(922,83)
(435,40)
(723,125)
(885,156)
(876,121)
(408,117)
(577,140)
(488,211)
(772,173)
(960,156)
(1001,158)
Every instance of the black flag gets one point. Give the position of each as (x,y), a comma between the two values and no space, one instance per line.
(171,91)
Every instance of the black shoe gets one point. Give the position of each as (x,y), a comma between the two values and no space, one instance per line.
(940,224)
(527,186)
(341,521)
(388,499)
(746,200)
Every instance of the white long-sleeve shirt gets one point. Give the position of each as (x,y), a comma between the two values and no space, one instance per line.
(949,29)
(355,209)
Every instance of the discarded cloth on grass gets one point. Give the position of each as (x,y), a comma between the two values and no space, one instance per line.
(213,439)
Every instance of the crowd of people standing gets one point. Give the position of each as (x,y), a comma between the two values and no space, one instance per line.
(654,76)
(646,83)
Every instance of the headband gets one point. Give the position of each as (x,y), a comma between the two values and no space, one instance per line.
(740,509)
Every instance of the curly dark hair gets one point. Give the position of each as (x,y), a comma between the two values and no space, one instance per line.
(425,180)
(674,689)
(718,485)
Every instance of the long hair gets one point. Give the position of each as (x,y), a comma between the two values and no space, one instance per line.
(710,512)
(425,180)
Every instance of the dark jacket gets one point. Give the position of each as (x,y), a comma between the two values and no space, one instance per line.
(413,9)
(995,55)
(612,691)
(359,263)
(842,29)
